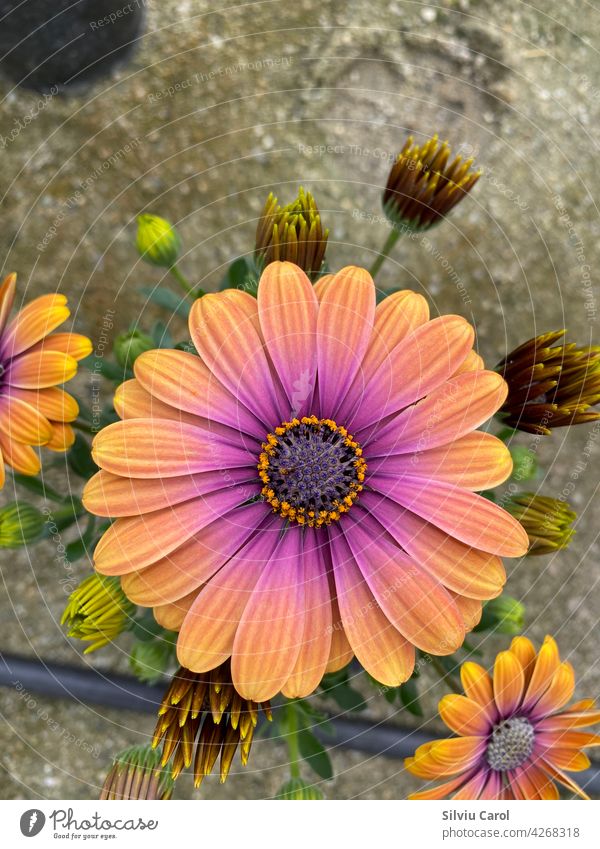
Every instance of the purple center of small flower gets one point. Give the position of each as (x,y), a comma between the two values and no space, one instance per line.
(312,470)
(510,743)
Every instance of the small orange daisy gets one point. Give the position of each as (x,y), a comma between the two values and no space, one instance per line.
(33,362)
(516,737)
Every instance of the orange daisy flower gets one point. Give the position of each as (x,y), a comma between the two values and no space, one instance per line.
(33,361)
(304,489)
(517,737)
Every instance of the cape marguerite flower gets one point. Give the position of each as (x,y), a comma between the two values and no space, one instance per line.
(303,490)
(33,361)
(517,736)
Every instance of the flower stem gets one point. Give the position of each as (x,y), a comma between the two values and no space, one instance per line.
(389,243)
(82,426)
(450,680)
(292,739)
(185,283)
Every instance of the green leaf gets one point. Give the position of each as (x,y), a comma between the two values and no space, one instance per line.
(109,370)
(237,274)
(409,696)
(166,299)
(161,335)
(525,465)
(80,547)
(80,458)
(314,754)
(149,661)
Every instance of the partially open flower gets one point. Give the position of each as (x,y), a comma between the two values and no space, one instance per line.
(550,385)
(33,362)
(424,185)
(203,717)
(547,521)
(136,774)
(157,241)
(19,524)
(292,233)
(97,611)
(516,736)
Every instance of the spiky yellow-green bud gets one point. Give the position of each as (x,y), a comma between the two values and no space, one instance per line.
(424,184)
(136,774)
(20,523)
(97,611)
(157,241)
(547,521)
(292,233)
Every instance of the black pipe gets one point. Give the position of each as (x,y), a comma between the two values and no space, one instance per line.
(91,686)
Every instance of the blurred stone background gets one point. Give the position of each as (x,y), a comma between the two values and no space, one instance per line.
(221,103)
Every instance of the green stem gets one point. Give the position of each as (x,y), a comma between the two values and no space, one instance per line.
(185,283)
(82,426)
(452,682)
(389,243)
(292,740)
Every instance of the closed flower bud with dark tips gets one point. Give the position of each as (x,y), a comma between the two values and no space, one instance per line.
(292,233)
(550,385)
(547,521)
(424,184)
(137,774)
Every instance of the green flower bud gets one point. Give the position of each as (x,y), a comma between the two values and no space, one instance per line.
(137,774)
(505,615)
(297,788)
(20,523)
(546,520)
(157,241)
(128,346)
(97,611)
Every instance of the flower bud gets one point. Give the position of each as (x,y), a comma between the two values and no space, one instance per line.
(137,774)
(97,611)
(128,346)
(20,523)
(298,789)
(504,614)
(424,185)
(157,241)
(550,385)
(292,233)
(547,521)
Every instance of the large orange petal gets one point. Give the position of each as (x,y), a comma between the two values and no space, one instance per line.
(533,783)
(421,363)
(478,687)
(470,609)
(7,296)
(132,543)
(509,682)
(153,448)
(546,664)
(524,650)
(464,716)
(558,775)
(452,410)
(465,515)
(225,335)
(23,423)
(288,309)
(476,461)
(341,652)
(183,381)
(52,402)
(456,754)
(36,320)
(73,344)
(395,317)
(344,328)
(473,788)
(63,437)
(40,369)
(171,616)
(22,458)
(416,604)
(568,759)
(381,649)
(316,638)
(106,494)
(463,569)
(207,635)
(558,694)
(442,791)
(268,639)
(192,564)
(322,284)
(564,739)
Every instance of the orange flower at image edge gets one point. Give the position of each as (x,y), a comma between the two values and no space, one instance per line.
(33,361)
(516,734)
(303,490)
